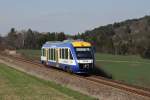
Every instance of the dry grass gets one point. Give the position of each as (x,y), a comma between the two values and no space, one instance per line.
(15,85)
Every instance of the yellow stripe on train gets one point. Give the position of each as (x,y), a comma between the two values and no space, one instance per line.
(81,44)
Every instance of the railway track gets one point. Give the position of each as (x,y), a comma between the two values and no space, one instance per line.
(119,85)
(145,92)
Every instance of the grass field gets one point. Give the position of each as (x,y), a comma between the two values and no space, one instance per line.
(130,69)
(32,54)
(15,85)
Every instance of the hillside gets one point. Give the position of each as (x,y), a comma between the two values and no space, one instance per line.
(127,37)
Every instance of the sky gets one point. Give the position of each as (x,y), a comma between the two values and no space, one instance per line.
(69,16)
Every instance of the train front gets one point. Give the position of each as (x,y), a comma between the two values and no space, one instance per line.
(84,56)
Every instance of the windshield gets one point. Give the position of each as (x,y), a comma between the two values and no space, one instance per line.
(83,53)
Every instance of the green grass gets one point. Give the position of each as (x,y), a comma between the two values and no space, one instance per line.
(130,69)
(126,58)
(32,54)
(16,85)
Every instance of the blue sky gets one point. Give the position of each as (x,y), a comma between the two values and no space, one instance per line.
(69,16)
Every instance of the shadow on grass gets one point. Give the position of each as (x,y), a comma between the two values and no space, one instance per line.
(97,71)
(100,72)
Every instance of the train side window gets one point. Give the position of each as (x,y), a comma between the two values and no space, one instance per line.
(53,54)
(70,55)
(49,54)
(54,50)
(63,54)
(66,53)
(60,53)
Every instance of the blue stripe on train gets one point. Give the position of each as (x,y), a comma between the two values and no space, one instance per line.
(74,68)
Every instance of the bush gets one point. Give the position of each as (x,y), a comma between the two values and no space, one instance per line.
(146,53)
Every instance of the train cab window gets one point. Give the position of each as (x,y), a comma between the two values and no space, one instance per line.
(70,55)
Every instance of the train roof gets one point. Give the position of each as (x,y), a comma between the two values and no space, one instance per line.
(74,43)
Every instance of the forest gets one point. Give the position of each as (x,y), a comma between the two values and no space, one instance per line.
(129,37)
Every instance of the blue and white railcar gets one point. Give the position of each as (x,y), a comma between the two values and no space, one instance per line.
(74,56)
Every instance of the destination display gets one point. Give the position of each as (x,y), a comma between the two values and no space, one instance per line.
(83,49)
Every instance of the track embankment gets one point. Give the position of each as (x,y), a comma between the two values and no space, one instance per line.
(89,87)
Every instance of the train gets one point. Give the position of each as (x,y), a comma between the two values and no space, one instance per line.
(75,56)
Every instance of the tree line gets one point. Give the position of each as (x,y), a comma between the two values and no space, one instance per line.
(123,38)
(29,39)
